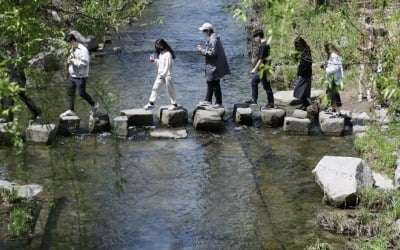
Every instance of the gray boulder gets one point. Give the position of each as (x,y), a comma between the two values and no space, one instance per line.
(121,126)
(173,118)
(341,178)
(138,117)
(244,116)
(40,133)
(99,122)
(69,125)
(298,113)
(332,126)
(297,126)
(208,120)
(273,117)
(382,181)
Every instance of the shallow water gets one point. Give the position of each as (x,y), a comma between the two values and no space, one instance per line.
(245,188)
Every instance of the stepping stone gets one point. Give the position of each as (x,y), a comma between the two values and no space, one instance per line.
(360,119)
(273,117)
(360,129)
(169,133)
(138,117)
(298,113)
(286,97)
(332,126)
(40,133)
(99,122)
(244,116)
(208,120)
(69,125)
(173,118)
(220,111)
(297,126)
(121,126)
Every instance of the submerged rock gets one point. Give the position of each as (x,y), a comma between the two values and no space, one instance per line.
(169,133)
(340,178)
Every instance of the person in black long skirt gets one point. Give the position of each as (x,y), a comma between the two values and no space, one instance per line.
(302,89)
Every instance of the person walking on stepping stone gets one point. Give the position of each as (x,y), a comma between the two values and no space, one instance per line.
(302,88)
(78,69)
(165,62)
(262,59)
(216,64)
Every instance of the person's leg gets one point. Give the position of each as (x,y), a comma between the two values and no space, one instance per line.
(71,94)
(82,91)
(267,87)
(254,87)
(30,104)
(171,89)
(217,92)
(155,90)
(210,90)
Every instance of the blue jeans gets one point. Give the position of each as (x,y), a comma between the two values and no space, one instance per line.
(266,85)
(81,84)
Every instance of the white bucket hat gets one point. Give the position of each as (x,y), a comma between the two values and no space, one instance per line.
(206,26)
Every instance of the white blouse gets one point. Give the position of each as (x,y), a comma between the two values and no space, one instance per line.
(165,64)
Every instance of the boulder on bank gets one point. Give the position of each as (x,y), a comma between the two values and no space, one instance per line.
(341,178)
(173,118)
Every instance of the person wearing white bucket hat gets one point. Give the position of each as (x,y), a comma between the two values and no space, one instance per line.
(216,64)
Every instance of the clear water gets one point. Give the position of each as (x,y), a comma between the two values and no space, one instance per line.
(248,188)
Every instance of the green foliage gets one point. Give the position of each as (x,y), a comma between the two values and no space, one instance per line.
(319,245)
(8,195)
(377,147)
(20,221)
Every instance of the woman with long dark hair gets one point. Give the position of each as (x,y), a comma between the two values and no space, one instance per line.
(302,89)
(165,62)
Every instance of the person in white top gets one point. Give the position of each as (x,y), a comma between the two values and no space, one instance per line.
(165,62)
(78,69)
(334,73)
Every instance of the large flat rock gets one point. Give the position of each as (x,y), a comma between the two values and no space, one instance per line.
(173,118)
(169,133)
(207,120)
(286,97)
(341,178)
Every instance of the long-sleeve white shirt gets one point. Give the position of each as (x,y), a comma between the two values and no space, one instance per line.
(79,62)
(165,64)
(335,68)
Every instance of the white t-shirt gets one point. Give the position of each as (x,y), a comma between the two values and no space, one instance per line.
(79,66)
(335,68)
(165,64)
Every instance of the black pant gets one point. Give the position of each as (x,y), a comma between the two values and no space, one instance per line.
(213,87)
(7,103)
(81,84)
(266,85)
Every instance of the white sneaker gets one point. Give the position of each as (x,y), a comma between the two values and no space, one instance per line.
(68,113)
(173,107)
(204,103)
(148,106)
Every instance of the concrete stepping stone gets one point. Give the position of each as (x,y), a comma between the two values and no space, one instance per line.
(296,126)
(69,125)
(298,113)
(40,133)
(121,126)
(99,122)
(173,118)
(138,117)
(286,97)
(331,124)
(207,120)
(273,117)
(243,114)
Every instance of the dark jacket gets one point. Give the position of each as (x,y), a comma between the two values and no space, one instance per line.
(216,63)
(305,66)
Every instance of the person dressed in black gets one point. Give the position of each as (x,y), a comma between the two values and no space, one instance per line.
(17,76)
(262,59)
(302,89)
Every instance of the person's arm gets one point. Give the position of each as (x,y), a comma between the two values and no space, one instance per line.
(80,57)
(264,52)
(211,49)
(254,70)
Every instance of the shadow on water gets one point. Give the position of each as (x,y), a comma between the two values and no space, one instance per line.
(246,188)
